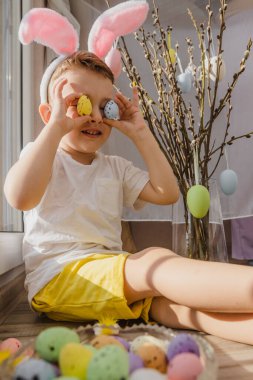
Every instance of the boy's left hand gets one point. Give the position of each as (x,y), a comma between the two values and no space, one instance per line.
(131,121)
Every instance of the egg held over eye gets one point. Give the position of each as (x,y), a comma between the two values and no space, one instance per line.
(84,106)
(198,201)
(111,110)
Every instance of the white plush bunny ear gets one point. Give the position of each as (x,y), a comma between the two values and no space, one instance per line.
(117,21)
(49,28)
(53,30)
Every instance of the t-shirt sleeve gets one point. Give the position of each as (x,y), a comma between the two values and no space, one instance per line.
(133,183)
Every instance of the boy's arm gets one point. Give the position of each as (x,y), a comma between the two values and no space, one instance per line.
(162,187)
(28,178)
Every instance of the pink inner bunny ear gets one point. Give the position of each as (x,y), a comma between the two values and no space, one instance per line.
(49,28)
(113,60)
(120,20)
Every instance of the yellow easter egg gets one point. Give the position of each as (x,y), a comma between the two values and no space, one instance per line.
(198,201)
(5,354)
(173,57)
(84,106)
(74,360)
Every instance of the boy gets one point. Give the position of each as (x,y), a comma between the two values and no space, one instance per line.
(73,196)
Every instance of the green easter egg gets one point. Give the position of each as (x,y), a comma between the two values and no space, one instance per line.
(74,360)
(109,363)
(50,341)
(198,201)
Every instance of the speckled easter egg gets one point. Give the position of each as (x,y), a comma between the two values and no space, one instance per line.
(123,341)
(74,360)
(186,366)
(153,357)
(66,378)
(84,106)
(111,110)
(10,344)
(50,341)
(34,369)
(109,363)
(105,340)
(142,339)
(182,343)
(228,181)
(198,201)
(135,362)
(147,374)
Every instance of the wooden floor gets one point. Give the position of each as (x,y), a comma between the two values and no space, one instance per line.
(235,360)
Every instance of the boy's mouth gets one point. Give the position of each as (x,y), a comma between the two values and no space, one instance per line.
(91,132)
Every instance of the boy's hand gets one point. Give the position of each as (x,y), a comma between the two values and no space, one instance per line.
(131,121)
(61,106)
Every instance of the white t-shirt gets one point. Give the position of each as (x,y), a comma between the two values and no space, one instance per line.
(79,214)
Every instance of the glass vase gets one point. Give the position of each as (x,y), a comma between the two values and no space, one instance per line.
(204,238)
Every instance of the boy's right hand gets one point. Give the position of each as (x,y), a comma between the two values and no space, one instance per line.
(60,107)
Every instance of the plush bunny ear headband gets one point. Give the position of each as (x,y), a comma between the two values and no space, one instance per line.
(51,29)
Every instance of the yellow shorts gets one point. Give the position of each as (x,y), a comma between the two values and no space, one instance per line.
(90,289)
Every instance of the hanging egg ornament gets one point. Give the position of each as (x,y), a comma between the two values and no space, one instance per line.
(184,82)
(228,181)
(84,106)
(111,110)
(198,201)
(213,68)
(172,52)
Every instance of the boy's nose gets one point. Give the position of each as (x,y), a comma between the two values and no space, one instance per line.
(96,116)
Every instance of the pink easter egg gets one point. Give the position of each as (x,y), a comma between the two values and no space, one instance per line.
(11,344)
(186,366)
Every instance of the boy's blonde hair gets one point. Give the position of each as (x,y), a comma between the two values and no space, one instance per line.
(83,59)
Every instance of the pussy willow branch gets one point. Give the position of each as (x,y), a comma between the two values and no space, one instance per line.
(170,119)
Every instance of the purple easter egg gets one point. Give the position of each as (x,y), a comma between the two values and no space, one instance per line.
(182,343)
(123,342)
(135,362)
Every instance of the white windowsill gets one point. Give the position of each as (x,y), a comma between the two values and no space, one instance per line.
(10,250)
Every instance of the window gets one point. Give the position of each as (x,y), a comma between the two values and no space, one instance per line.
(11,226)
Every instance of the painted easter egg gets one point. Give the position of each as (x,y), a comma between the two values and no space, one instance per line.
(34,369)
(228,181)
(109,363)
(147,374)
(153,357)
(191,69)
(50,341)
(10,344)
(105,340)
(111,110)
(142,339)
(84,106)
(74,360)
(198,201)
(186,366)
(184,82)
(66,378)
(135,362)
(182,343)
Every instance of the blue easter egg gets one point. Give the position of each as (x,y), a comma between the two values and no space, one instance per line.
(111,110)
(184,82)
(228,181)
(182,343)
(35,368)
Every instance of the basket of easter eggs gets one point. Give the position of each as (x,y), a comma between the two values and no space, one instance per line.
(97,352)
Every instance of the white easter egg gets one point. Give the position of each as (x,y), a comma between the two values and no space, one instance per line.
(111,110)
(147,374)
(184,82)
(228,181)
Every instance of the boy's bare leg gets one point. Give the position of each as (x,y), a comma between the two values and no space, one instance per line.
(200,285)
(233,326)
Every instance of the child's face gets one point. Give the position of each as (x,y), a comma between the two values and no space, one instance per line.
(99,89)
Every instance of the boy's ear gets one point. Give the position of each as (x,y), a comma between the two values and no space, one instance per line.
(45,112)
